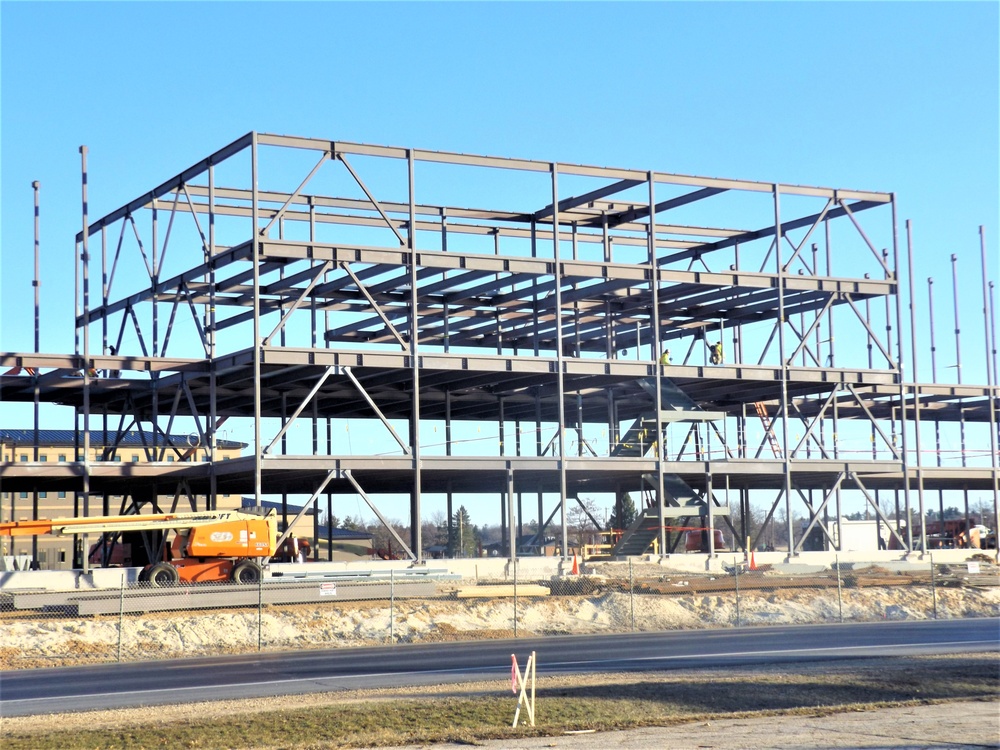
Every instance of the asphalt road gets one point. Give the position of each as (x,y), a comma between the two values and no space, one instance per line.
(42,691)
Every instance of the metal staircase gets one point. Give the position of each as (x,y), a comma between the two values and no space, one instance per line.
(680,498)
(676,406)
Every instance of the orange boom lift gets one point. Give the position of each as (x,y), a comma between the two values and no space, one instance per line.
(207,546)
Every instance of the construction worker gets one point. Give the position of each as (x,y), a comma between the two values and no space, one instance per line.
(716,350)
(665,357)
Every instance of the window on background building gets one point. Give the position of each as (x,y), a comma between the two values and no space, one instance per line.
(24,458)
(62,456)
(134,458)
(79,457)
(24,495)
(170,459)
(118,458)
(43,458)
(62,555)
(62,494)
(43,494)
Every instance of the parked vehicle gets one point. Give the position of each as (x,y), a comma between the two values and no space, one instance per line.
(697,541)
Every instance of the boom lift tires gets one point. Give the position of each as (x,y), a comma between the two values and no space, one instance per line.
(163,574)
(246,571)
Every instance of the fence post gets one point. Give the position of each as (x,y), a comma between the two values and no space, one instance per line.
(631,593)
(840,596)
(121,616)
(736,568)
(392,606)
(933,587)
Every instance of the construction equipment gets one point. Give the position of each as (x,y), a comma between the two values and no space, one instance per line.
(206,546)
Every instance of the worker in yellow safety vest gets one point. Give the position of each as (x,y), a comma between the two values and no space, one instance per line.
(716,356)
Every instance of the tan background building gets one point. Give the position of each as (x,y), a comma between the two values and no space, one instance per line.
(56,553)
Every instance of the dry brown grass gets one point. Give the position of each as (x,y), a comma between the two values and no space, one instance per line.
(471,712)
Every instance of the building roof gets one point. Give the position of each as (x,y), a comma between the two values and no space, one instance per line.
(98,438)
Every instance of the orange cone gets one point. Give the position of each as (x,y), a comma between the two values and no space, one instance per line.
(753,565)
(576,568)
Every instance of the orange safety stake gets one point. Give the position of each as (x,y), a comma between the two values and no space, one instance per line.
(753,565)
(576,568)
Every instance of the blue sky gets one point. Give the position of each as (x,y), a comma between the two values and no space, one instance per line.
(885,96)
(894,96)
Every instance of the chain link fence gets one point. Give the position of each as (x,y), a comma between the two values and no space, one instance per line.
(138,621)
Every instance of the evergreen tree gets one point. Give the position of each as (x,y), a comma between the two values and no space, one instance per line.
(629,514)
(464,538)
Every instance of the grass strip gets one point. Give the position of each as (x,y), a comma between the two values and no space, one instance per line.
(599,702)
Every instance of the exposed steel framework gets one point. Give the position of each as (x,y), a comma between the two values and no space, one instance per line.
(227,295)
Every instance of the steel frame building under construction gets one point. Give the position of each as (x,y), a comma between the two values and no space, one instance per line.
(285,283)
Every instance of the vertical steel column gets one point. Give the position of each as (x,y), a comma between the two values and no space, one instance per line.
(155,375)
(446,342)
(991,382)
(916,403)
(85,263)
(786,453)
(829,317)
(538,452)
(105,509)
(504,499)
(255,259)
(986,305)
(559,358)
(447,452)
(958,355)
(654,317)
(213,407)
(993,338)
(284,452)
(104,287)
(36,283)
(510,513)
(958,327)
(937,422)
(534,281)
(900,366)
(411,239)
(329,493)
